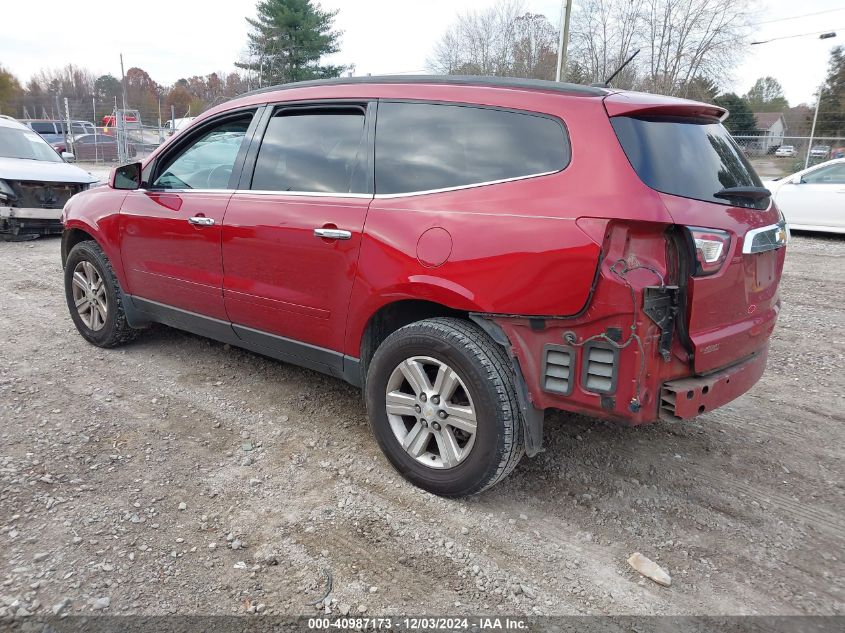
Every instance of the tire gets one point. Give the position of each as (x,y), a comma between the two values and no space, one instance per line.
(114,329)
(451,462)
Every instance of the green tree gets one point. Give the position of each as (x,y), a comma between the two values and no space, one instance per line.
(740,121)
(831,120)
(288,40)
(699,89)
(106,88)
(10,92)
(766,95)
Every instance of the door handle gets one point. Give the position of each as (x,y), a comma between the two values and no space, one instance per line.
(333,234)
(199,220)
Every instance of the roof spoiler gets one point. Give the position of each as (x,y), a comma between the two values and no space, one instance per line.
(644,104)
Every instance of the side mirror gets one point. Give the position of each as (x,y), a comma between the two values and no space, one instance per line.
(797,180)
(70,158)
(126,177)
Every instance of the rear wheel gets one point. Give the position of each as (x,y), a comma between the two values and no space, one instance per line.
(441,401)
(94,297)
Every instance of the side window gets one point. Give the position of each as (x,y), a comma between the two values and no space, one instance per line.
(207,161)
(313,150)
(422,146)
(832,175)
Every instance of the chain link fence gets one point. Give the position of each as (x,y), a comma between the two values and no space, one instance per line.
(101,133)
(96,132)
(775,156)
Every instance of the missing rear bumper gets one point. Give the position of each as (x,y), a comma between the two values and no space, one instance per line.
(688,397)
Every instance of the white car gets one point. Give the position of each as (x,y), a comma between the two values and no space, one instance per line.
(813,199)
(174,125)
(785,151)
(35,183)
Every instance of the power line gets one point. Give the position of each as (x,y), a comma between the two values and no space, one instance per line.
(795,17)
(787,37)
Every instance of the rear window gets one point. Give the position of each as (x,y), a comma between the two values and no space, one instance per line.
(693,158)
(426,146)
(43,127)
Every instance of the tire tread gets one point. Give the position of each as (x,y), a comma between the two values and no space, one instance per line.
(122,332)
(495,364)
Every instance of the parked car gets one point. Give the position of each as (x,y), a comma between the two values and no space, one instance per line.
(785,151)
(35,183)
(820,151)
(174,125)
(813,199)
(469,251)
(132,119)
(100,147)
(54,131)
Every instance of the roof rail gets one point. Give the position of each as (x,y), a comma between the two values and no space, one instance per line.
(457,80)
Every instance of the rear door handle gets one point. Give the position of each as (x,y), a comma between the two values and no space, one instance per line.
(201,220)
(333,234)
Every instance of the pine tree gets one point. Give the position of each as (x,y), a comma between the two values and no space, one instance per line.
(740,119)
(288,39)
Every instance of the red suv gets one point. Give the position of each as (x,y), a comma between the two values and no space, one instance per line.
(469,251)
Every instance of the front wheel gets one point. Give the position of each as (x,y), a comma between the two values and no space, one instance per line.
(442,403)
(94,297)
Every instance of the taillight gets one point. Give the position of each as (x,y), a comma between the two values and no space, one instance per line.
(711,249)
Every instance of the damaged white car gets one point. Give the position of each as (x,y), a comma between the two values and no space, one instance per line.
(35,183)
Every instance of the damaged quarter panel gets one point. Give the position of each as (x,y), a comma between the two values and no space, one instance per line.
(506,248)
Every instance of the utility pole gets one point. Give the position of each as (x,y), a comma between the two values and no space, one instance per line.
(120,119)
(813,128)
(823,36)
(563,42)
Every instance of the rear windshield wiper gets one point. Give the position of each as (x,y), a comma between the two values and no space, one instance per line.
(751,193)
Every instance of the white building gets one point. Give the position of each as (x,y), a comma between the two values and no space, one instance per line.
(771,129)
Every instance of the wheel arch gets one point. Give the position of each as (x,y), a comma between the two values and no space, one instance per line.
(72,236)
(104,232)
(393,315)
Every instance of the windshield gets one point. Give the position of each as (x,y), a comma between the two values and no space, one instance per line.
(693,158)
(26,144)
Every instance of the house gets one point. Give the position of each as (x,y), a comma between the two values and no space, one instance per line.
(771,128)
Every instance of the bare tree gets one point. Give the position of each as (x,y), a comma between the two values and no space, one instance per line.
(604,35)
(534,47)
(687,46)
(501,40)
(685,39)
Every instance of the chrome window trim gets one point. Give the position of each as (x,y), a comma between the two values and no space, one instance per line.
(748,240)
(263,192)
(163,190)
(307,194)
(469,186)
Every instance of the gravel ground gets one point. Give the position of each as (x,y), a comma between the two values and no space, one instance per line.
(178,475)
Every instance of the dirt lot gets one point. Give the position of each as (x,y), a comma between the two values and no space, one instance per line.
(280,478)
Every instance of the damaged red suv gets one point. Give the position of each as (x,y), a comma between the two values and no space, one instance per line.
(469,251)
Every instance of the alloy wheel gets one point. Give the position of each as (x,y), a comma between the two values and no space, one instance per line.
(431,412)
(89,296)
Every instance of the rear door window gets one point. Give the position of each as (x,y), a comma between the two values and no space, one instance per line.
(427,146)
(692,158)
(310,150)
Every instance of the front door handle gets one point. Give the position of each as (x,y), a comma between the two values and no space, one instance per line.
(199,220)
(333,234)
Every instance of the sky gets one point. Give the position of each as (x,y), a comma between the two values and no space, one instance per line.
(171,39)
